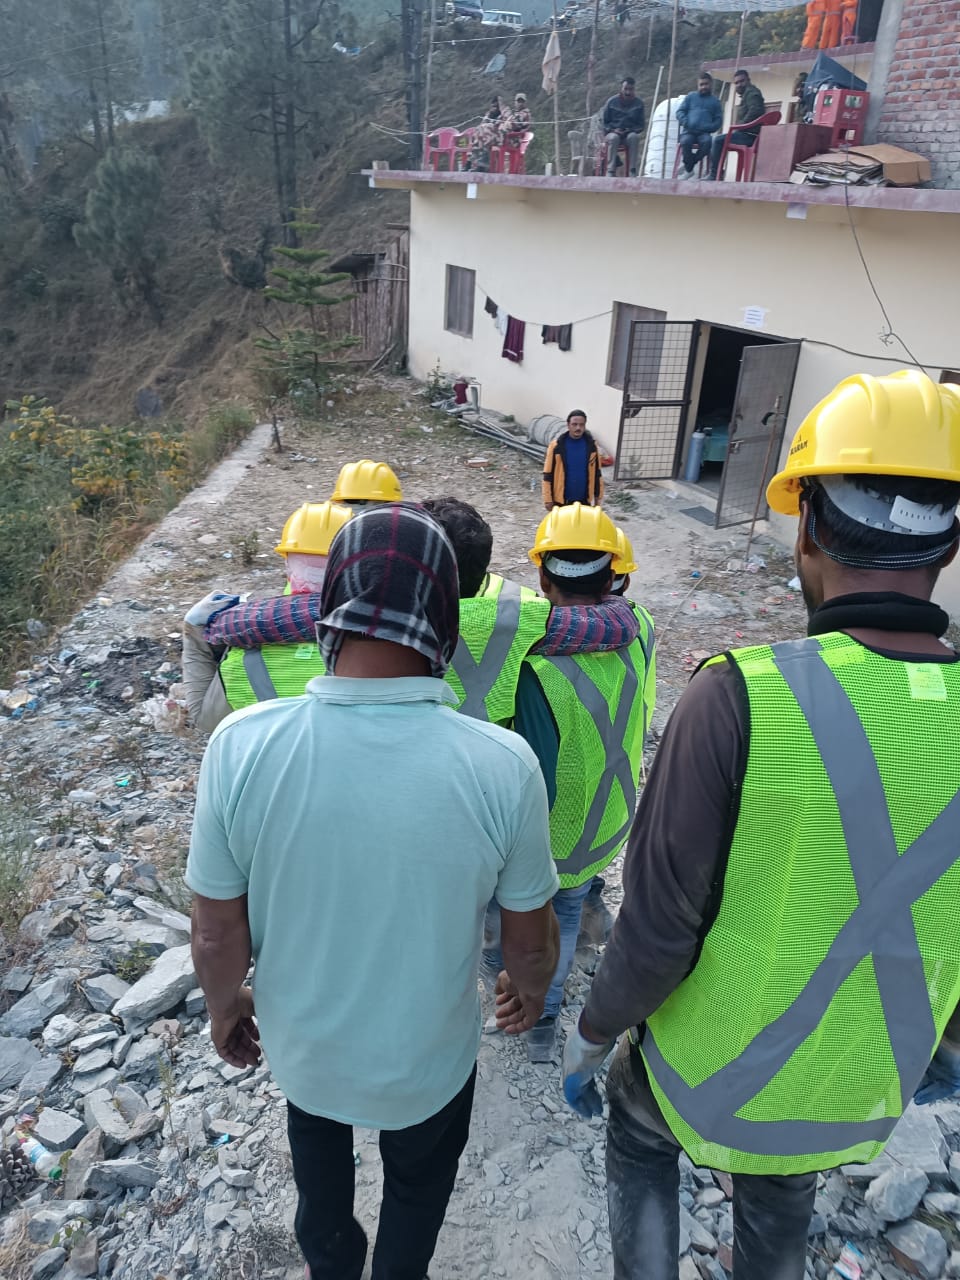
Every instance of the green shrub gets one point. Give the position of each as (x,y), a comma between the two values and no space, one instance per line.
(224,427)
(58,217)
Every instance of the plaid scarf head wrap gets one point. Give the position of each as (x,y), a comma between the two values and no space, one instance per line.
(392,575)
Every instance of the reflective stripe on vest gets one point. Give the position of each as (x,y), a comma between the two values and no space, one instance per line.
(275,671)
(888,884)
(617,765)
(255,667)
(478,678)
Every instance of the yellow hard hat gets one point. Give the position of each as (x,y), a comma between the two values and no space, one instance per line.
(367,481)
(623,561)
(311,529)
(575,528)
(901,424)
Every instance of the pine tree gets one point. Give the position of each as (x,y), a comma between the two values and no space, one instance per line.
(271,87)
(120,223)
(92,60)
(293,360)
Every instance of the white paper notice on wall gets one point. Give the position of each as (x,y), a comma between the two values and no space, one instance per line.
(754,317)
(471,191)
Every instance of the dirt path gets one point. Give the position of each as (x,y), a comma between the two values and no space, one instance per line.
(530,1201)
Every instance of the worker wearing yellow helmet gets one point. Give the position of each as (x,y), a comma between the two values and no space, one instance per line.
(585,716)
(217,680)
(788,943)
(365,482)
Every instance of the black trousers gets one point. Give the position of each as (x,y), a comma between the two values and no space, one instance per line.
(771,1214)
(419,1169)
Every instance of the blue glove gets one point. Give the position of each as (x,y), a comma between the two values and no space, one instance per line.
(582,1059)
(209,606)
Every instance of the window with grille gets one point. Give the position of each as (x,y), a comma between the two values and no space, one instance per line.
(624,314)
(461,284)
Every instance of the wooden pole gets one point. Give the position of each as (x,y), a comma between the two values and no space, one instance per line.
(556,106)
(673,58)
(743,19)
(591,62)
(646,136)
(426,91)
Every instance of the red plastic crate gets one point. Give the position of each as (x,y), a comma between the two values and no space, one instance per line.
(844,111)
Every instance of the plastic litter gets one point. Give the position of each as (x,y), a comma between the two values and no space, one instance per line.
(45,1162)
(356,1158)
(850,1263)
(695,573)
(221,1141)
(794,584)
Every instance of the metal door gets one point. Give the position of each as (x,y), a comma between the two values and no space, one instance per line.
(656,396)
(756,431)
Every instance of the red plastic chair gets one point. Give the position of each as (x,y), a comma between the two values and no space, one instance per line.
(511,155)
(600,164)
(746,152)
(440,143)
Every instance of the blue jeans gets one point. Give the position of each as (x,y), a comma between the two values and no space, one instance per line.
(694,147)
(568,905)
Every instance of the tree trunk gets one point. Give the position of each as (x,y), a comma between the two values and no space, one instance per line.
(95,116)
(277,161)
(106,74)
(289,170)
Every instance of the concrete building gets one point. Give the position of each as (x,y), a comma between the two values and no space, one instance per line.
(728,308)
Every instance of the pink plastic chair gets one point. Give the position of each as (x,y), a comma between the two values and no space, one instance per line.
(440,143)
(746,153)
(510,156)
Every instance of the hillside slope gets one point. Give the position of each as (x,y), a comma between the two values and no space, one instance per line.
(64,332)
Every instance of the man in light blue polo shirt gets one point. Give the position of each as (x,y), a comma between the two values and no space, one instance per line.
(349,840)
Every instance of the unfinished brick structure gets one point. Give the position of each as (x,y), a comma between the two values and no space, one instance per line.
(921,106)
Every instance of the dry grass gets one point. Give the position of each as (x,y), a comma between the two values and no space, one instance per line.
(17,1252)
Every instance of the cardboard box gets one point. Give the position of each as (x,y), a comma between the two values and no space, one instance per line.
(900,168)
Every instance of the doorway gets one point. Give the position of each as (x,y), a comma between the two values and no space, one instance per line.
(731,386)
(713,401)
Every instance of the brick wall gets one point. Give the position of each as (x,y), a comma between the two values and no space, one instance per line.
(921,108)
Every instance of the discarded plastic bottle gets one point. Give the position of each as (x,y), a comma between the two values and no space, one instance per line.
(45,1162)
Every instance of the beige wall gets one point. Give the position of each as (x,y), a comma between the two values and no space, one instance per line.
(552,257)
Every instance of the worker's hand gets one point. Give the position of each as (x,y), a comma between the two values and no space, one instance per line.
(549,505)
(235,1035)
(582,1059)
(205,609)
(516,1012)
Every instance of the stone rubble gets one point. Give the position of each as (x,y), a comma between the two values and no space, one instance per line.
(178,1164)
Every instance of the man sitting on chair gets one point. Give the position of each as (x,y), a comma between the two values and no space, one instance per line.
(700,115)
(751,108)
(623,123)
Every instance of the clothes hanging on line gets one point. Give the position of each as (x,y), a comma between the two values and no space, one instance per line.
(513,340)
(491,308)
(502,321)
(561,334)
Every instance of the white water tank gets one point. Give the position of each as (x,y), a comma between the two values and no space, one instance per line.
(663,123)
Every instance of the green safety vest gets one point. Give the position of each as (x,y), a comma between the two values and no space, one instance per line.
(598,702)
(275,671)
(498,628)
(833,965)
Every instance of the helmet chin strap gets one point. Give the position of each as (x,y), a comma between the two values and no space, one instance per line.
(899,562)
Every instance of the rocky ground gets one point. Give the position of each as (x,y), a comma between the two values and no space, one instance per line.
(175,1164)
